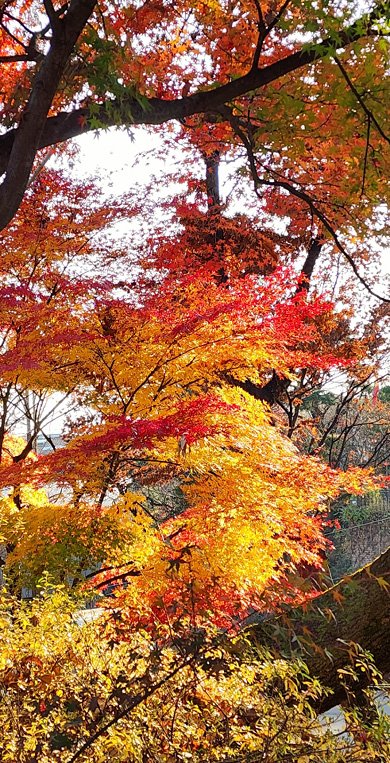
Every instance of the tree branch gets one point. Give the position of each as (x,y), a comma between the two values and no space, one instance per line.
(366,156)
(313,253)
(19,145)
(212,181)
(27,137)
(262,35)
(264,30)
(52,15)
(300,194)
(359,98)
(34,55)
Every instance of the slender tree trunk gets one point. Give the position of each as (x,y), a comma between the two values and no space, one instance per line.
(212,181)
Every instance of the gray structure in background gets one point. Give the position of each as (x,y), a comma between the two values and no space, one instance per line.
(44,444)
(366,536)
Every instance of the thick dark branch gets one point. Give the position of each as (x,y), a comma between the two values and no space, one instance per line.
(26,450)
(115,578)
(52,15)
(314,251)
(35,131)
(27,137)
(261,25)
(268,393)
(264,29)
(212,181)
(35,55)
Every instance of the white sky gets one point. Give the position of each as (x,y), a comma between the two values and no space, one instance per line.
(112,154)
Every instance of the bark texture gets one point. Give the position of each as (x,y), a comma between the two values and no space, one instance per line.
(354,610)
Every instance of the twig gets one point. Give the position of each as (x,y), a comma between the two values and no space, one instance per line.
(265,30)
(366,155)
(359,98)
(287,186)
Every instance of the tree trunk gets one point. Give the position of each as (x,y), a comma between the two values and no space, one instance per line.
(354,610)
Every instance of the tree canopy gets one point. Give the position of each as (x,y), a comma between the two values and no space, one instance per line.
(189,490)
(154,367)
(302,87)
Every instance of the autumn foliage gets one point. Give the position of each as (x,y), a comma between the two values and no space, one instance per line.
(154,372)
(154,367)
(173,362)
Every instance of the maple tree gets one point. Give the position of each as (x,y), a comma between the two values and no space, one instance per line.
(161,407)
(150,370)
(169,351)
